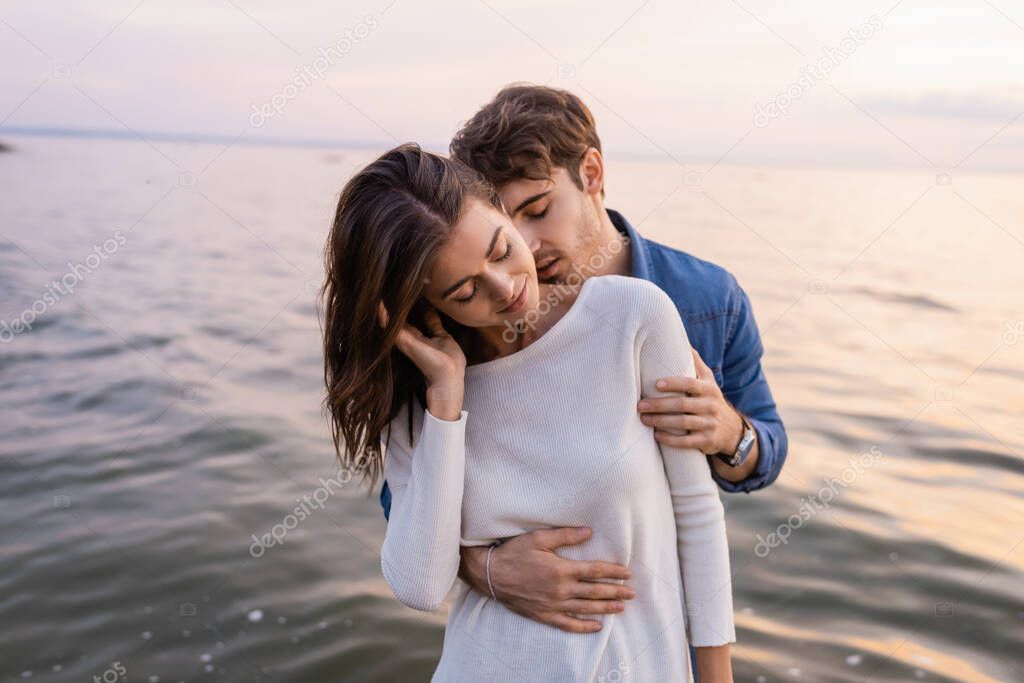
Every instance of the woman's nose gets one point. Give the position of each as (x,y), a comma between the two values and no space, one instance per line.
(504,289)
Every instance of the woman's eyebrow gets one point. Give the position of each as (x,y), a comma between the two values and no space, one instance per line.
(490,248)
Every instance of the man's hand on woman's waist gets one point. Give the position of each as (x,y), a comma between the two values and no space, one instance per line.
(530,579)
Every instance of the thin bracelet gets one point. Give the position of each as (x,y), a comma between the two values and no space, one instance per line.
(490,550)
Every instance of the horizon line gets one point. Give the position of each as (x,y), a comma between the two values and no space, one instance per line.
(335,143)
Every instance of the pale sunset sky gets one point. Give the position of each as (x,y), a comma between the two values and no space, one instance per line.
(925,84)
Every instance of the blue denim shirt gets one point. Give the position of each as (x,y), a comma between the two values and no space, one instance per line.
(720,324)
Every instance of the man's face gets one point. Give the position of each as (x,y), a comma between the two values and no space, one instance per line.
(558,222)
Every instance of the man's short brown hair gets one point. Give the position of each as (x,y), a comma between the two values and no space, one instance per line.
(527,131)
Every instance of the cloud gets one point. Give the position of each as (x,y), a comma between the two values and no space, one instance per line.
(1000,105)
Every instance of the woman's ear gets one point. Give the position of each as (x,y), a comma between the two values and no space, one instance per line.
(592,171)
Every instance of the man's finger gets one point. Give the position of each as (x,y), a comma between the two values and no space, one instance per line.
(703,371)
(549,539)
(567,623)
(680,385)
(673,405)
(596,590)
(594,571)
(698,440)
(678,422)
(593,606)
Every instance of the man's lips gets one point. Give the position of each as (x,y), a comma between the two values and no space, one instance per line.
(518,303)
(545,267)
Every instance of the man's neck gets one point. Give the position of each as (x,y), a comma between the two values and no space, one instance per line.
(615,260)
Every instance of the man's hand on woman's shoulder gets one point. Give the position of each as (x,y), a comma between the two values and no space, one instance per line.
(697,415)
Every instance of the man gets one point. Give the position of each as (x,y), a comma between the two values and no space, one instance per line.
(539,146)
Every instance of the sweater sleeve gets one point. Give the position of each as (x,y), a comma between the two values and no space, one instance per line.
(420,555)
(664,350)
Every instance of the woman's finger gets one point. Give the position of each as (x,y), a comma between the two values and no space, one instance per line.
(408,340)
(382,314)
(434,323)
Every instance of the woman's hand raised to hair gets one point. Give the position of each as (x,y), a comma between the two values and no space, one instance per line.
(441,360)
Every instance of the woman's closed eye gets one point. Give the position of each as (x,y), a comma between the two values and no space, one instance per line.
(466,299)
(507,254)
(503,257)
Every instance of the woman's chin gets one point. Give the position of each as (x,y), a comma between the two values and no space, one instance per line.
(528,312)
(532,306)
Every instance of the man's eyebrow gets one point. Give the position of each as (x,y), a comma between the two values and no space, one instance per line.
(490,248)
(530,200)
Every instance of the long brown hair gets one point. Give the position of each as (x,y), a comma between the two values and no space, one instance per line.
(391,219)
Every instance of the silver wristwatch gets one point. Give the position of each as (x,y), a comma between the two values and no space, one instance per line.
(743,449)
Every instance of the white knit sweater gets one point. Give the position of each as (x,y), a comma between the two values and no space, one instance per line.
(550,437)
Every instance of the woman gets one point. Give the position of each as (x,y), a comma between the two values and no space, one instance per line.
(507,406)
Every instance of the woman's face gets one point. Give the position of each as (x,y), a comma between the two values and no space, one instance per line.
(484,275)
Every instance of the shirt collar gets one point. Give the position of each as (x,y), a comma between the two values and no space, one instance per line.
(640,257)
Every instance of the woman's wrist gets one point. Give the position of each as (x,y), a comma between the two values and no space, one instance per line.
(444,399)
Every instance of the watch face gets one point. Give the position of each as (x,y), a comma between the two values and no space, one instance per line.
(746,443)
(742,450)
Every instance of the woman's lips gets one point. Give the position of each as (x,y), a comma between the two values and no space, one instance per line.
(519,302)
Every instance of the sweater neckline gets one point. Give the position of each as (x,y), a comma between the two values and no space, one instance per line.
(512,359)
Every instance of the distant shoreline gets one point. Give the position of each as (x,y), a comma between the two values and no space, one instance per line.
(188,138)
(150,137)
